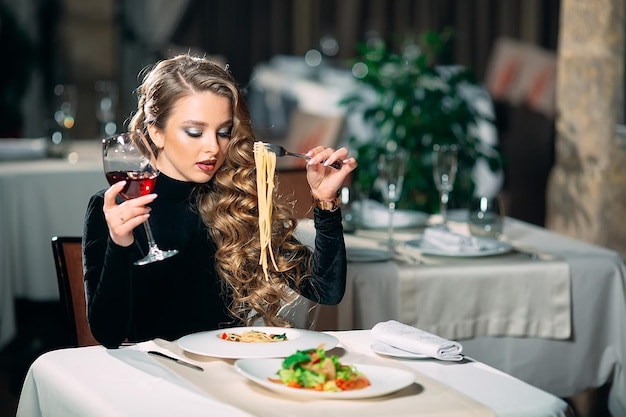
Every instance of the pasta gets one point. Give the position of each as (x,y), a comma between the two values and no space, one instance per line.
(265,162)
(253,336)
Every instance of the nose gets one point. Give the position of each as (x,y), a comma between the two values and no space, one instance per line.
(210,143)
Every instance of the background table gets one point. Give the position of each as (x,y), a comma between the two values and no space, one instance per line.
(100,382)
(38,200)
(594,353)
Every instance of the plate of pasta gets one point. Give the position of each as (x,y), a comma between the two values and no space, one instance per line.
(254,342)
(379,380)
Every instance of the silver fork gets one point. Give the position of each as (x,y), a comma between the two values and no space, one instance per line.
(280,151)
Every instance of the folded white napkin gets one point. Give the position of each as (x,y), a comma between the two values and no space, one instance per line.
(441,238)
(412,339)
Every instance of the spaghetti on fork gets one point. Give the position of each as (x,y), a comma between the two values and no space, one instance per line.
(265,162)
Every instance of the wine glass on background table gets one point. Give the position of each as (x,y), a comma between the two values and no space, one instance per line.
(129,157)
(65,103)
(391,168)
(485,217)
(106,105)
(444,174)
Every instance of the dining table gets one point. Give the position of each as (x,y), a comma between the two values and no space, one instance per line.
(550,310)
(40,198)
(128,381)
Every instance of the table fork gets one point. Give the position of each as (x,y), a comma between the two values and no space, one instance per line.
(280,151)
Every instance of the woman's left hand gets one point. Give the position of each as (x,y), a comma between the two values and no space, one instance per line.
(324,180)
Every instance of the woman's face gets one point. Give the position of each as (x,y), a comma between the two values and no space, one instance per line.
(193,142)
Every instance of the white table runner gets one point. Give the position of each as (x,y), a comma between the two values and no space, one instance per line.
(457,298)
(503,296)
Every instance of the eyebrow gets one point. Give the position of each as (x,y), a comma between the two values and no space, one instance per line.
(193,122)
(227,123)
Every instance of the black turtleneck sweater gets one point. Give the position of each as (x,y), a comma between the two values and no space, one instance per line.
(182,294)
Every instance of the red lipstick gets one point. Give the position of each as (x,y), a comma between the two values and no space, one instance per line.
(207,166)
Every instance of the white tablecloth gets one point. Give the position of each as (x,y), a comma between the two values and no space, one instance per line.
(38,200)
(594,353)
(460,298)
(98,382)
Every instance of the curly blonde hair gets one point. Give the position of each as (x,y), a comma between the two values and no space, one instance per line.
(228,202)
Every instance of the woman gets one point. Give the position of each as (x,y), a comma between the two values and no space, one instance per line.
(205,206)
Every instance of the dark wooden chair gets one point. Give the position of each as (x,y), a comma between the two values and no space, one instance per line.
(68,260)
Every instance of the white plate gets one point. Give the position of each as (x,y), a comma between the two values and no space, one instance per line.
(210,344)
(401,219)
(383,380)
(385,349)
(499,248)
(371,214)
(368,255)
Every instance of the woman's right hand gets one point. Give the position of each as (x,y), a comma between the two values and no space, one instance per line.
(123,218)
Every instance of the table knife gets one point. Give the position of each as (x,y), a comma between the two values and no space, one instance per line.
(180,361)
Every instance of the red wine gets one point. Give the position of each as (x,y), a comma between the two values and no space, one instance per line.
(137,183)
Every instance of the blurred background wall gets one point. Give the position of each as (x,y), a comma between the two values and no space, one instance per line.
(82,42)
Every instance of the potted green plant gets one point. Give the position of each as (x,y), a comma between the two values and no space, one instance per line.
(410,100)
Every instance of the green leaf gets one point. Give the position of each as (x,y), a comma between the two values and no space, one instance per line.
(298,357)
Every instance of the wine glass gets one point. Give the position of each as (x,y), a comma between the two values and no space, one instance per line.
(485,217)
(129,157)
(106,104)
(64,102)
(444,173)
(391,167)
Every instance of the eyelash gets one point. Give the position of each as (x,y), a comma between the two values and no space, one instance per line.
(221,133)
(225,133)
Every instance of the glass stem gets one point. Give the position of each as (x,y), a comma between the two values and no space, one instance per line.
(443,207)
(152,246)
(392,209)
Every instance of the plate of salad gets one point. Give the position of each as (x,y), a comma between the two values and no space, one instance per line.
(314,373)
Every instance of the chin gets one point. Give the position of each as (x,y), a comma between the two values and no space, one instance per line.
(203,177)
